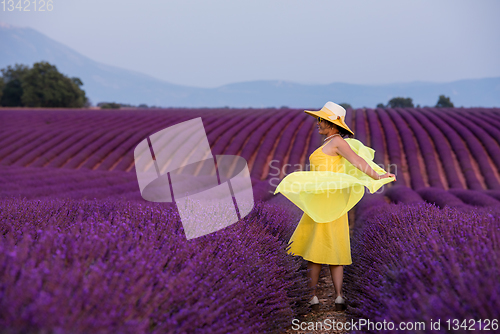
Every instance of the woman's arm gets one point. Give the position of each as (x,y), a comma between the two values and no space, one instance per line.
(346,151)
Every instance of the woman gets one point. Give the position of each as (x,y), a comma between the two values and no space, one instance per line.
(346,166)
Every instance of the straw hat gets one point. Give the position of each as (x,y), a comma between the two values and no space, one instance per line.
(331,112)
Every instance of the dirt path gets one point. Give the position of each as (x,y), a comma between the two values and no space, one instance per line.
(326,296)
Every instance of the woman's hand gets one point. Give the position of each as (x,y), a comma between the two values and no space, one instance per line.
(387,175)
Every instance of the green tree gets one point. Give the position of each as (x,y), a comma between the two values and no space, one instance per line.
(400,102)
(444,102)
(380,105)
(44,86)
(345,105)
(108,105)
(13,78)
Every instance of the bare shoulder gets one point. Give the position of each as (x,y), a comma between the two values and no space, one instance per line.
(339,146)
(336,142)
(341,142)
(332,146)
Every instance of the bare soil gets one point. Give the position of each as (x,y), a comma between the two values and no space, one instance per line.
(326,295)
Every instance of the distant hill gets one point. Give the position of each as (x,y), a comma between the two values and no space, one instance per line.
(109,83)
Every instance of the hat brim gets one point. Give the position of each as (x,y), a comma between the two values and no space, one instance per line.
(312,113)
(340,122)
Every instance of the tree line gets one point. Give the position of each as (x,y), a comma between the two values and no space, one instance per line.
(44,86)
(401,102)
(114,105)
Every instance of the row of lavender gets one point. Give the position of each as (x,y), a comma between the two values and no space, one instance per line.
(118,267)
(105,140)
(442,148)
(446,269)
(46,183)
(49,182)
(453,197)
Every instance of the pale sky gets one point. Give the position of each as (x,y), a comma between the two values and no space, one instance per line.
(212,43)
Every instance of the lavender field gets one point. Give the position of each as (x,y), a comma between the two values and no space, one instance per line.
(77,266)
(81,251)
(417,263)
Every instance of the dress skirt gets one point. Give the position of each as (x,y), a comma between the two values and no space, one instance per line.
(327,243)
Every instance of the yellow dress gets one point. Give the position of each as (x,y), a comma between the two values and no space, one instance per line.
(325,194)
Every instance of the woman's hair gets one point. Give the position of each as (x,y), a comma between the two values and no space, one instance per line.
(343,132)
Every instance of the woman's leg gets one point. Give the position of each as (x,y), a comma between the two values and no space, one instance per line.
(313,273)
(337,272)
